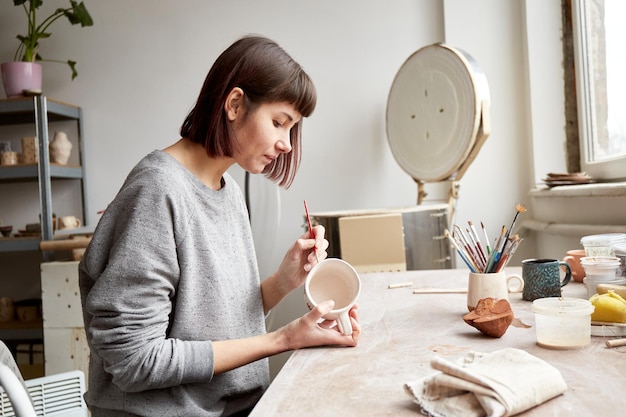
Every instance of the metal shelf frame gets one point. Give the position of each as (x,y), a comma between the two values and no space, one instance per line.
(39,110)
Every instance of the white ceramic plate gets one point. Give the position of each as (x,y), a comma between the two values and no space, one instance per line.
(599,328)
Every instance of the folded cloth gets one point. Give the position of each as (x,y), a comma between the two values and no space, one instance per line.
(502,383)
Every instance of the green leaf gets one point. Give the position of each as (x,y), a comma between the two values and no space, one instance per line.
(72,65)
(79,14)
(37,29)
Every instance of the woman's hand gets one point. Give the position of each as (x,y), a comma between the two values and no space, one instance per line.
(295,266)
(312,330)
(302,257)
(307,331)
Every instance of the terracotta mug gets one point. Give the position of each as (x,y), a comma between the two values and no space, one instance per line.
(334,279)
(492,285)
(68,222)
(573,259)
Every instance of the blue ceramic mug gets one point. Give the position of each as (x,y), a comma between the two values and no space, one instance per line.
(542,278)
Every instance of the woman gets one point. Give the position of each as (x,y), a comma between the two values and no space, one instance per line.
(172,300)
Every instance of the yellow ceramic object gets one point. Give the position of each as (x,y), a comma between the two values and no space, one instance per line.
(609,307)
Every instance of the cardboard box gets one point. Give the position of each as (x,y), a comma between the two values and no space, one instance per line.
(395,239)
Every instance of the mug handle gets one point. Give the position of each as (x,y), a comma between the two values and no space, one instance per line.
(520,283)
(567,259)
(568,273)
(343,322)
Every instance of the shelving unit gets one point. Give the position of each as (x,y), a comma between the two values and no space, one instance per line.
(40,110)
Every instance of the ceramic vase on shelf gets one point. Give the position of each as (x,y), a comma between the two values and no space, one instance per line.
(30,148)
(60,148)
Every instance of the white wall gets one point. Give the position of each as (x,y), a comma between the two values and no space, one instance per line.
(143,62)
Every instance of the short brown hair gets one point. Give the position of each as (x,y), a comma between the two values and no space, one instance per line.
(266,74)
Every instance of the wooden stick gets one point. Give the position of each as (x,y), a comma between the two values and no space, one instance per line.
(400,285)
(615,343)
(64,244)
(440,291)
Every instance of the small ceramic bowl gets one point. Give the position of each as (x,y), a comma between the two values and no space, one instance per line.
(33,227)
(600,268)
(6,230)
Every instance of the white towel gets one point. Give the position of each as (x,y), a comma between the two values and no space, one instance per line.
(502,383)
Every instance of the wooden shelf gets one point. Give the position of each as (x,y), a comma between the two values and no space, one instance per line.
(17,330)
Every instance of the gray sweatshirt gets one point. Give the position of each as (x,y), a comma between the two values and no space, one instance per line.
(171,267)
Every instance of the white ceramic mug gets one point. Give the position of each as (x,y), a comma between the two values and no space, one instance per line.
(334,279)
(492,285)
(68,222)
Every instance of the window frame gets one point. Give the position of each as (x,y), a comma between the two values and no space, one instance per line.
(608,169)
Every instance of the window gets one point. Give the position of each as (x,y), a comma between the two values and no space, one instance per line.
(599,34)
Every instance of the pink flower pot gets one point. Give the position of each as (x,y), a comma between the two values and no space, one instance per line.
(20,76)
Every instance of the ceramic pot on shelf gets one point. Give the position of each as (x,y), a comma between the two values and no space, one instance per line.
(20,76)
(60,148)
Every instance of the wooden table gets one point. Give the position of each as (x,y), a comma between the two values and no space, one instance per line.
(403,331)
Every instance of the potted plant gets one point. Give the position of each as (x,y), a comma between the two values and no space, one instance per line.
(25,62)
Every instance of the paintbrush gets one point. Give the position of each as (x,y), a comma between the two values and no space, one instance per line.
(507,252)
(460,251)
(463,242)
(481,251)
(511,251)
(475,248)
(486,238)
(519,208)
(311,233)
(495,254)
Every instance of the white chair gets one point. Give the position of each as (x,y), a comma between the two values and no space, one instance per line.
(18,403)
(58,395)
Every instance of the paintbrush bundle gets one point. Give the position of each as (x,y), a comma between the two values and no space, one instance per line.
(485,258)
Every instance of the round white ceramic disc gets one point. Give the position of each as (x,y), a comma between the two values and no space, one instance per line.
(433,111)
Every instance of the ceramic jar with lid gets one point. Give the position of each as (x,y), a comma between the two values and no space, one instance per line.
(562,323)
(603,244)
(608,244)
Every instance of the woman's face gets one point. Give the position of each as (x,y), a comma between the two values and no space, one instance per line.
(263,134)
